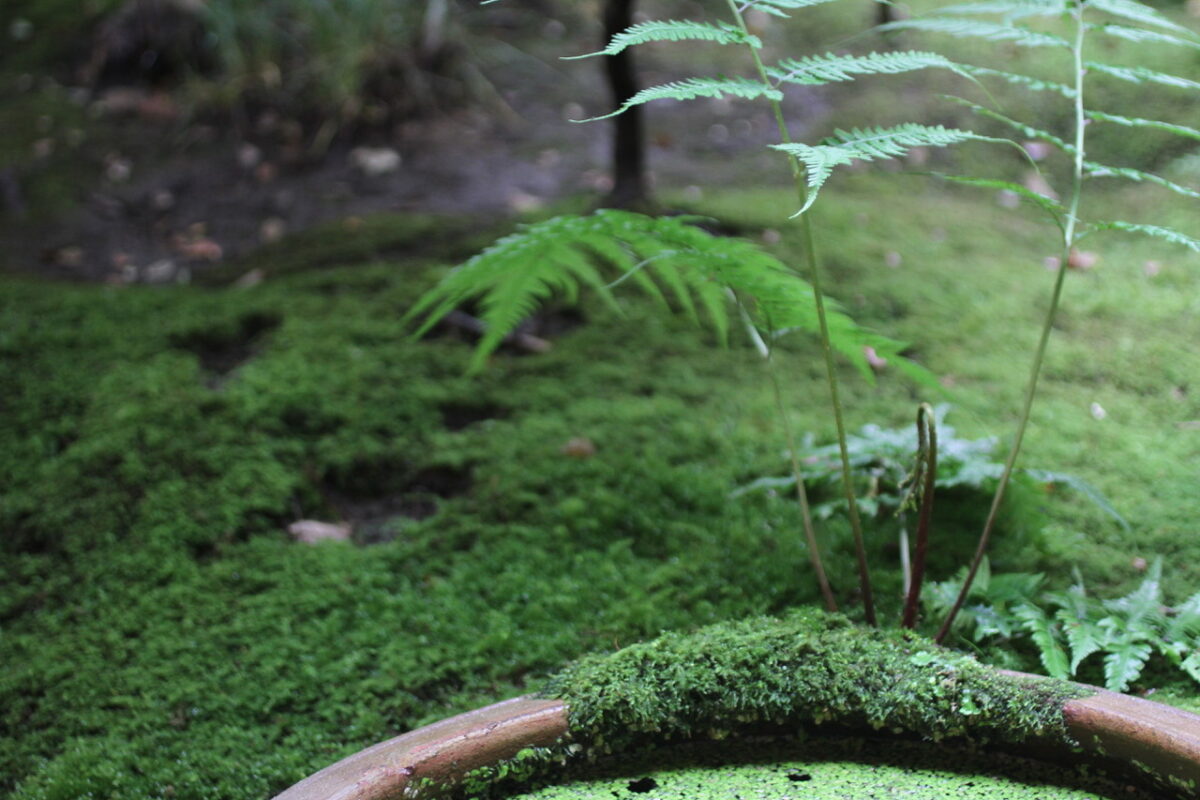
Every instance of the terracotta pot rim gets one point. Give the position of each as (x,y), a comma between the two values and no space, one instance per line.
(1162,741)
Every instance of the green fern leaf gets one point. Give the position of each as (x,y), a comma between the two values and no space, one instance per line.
(1191,665)
(1185,620)
(1137,12)
(1145,600)
(1041,630)
(993,31)
(1123,665)
(1142,35)
(1083,636)
(1049,205)
(673,31)
(779,8)
(1081,486)
(1035,84)
(692,88)
(830,68)
(869,145)
(1009,9)
(1157,231)
(1094,170)
(1137,122)
(1142,75)
(1028,131)
(564,254)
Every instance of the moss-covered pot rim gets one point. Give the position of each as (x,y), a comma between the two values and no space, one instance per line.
(1163,740)
(804,668)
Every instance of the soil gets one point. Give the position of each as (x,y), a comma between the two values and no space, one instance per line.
(174,198)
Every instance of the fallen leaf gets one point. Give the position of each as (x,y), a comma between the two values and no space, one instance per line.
(310,531)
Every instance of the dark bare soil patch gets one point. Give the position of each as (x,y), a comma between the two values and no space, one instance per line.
(223,348)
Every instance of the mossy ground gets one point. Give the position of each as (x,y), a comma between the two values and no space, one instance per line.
(163,636)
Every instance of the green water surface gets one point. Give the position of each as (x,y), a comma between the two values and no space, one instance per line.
(849,769)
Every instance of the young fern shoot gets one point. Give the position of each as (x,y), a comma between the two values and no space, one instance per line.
(1138,22)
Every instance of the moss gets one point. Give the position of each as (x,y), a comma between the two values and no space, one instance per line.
(806,667)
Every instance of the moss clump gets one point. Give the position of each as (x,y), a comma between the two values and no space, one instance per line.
(808,666)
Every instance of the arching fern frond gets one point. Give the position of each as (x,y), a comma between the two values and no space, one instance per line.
(830,68)
(1142,75)
(970,28)
(1048,204)
(1137,12)
(1157,231)
(1094,170)
(870,144)
(673,31)
(1138,122)
(660,256)
(691,88)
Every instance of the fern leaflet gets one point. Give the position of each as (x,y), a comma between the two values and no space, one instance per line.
(1036,84)
(1040,629)
(779,8)
(830,68)
(692,88)
(1143,35)
(869,145)
(1009,9)
(1137,12)
(1123,665)
(1142,75)
(994,31)
(673,31)
(1051,206)
(1137,122)
(1095,170)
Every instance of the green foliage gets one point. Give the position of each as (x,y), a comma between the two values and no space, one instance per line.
(699,270)
(868,145)
(692,88)
(882,462)
(1069,629)
(675,31)
(830,68)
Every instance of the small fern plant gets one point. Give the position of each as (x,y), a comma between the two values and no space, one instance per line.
(671,257)
(1128,20)
(1071,630)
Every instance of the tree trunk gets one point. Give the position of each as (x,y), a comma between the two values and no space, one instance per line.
(629,141)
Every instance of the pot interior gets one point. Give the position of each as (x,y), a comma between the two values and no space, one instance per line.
(824,769)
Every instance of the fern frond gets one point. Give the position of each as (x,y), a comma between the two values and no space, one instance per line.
(779,8)
(1191,665)
(1137,12)
(1141,35)
(830,68)
(1142,75)
(1123,665)
(1143,601)
(1157,231)
(1035,84)
(673,31)
(1137,122)
(1009,9)
(564,254)
(1081,486)
(1041,630)
(1094,170)
(993,31)
(1185,620)
(692,88)
(869,145)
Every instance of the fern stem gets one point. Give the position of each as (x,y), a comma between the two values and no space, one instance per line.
(810,256)
(927,465)
(1068,242)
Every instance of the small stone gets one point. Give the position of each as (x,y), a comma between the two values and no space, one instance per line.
(893,259)
(1097,411)
(272,230)
(311,531)
(1139,564)
(876,361)
(69,257)
(43,148)
(1082,260)
(163,200)
(117,169)
(20,29)
(1151,268)
(266,172)
(200,249)
(579,447)
(252,278)
(1037,150)
(523,202)
(249,156)
(162,271)
(771,236)
(375,161)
